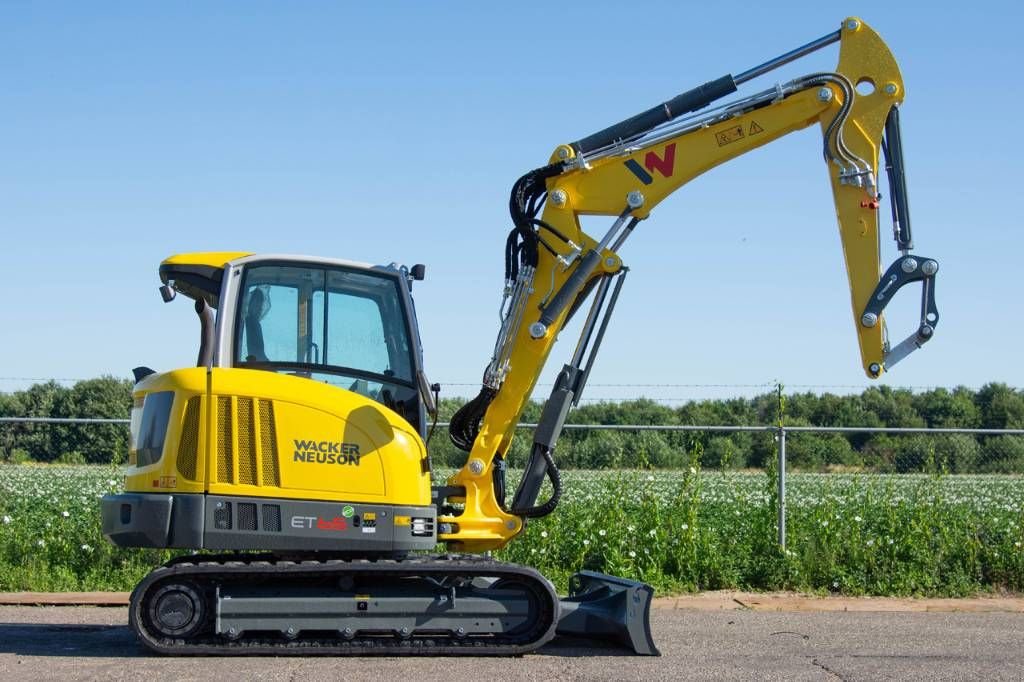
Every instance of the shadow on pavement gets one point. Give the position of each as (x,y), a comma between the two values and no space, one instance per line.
(570,647)
(118,641)
(68,640)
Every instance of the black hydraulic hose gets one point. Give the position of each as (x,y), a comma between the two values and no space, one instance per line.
(550,228)
(527,195)
(465,423)
(555,477)
(512,256)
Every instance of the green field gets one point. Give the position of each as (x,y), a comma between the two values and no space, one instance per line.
(679,530)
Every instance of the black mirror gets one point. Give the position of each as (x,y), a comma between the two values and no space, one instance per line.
(418,272)
(167,293)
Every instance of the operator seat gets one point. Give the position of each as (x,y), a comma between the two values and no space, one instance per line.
(253,328)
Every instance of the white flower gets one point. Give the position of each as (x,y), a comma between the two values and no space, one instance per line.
(632,554)
(86,548)
(65,514)
(40,543)
(889,541)
(824,524)
(543,533)
(871,542)
(7,519)
(630,528)
(1016,544)
(686,526)
(835,584)
(650,478)
(693,470)
(586,542)
(857,519)
(652,532)
(602,532)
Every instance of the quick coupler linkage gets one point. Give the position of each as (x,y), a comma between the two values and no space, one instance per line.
(906,269)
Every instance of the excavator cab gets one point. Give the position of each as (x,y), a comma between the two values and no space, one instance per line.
(302,425)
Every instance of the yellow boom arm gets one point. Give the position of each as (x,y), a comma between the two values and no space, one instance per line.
(552,265)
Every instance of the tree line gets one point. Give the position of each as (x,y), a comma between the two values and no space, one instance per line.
(104,397)
(993,406)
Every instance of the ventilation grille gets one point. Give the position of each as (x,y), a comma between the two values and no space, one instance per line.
(272,517)
(246,516)
(222,516)
(188,447)
(268,446)
(246,442)
(225,467)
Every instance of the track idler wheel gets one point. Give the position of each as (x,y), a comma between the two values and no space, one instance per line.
(177,610)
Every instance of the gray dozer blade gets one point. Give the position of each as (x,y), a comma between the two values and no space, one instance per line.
(607,607)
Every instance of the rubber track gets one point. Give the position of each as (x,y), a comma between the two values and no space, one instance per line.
(209,570)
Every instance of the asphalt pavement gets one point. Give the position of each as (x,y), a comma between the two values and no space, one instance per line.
(84,643)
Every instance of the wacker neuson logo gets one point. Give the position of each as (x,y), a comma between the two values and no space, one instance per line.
(326,452)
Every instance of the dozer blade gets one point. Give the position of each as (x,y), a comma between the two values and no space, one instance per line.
(607,607)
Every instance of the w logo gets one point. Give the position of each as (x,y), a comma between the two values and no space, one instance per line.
(665,165)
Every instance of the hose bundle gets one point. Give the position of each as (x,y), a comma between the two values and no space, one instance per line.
(521,248)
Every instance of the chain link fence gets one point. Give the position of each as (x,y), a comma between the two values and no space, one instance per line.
(785,449)
(624,446)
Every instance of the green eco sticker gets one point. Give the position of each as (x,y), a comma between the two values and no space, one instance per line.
(347,511)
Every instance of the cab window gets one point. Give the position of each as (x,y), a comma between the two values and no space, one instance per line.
(341,326)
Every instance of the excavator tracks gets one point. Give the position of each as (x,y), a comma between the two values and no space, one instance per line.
(244,605)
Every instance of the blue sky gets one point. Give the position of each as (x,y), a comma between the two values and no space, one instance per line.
(393,132)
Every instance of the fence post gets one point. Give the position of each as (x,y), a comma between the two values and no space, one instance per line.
(782,487)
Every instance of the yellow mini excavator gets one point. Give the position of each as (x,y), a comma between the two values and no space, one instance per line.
(294,449)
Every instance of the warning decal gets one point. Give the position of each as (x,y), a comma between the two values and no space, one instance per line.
(755,129)
(729,135)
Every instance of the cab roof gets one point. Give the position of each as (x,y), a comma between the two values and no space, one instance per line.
(198,275)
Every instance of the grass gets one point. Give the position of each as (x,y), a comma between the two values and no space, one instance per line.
(937,535)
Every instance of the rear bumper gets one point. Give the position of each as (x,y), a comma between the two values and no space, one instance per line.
(152,520)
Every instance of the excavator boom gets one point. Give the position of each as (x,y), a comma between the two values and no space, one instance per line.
(626,170)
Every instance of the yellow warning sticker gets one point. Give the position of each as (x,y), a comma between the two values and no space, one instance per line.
(403,520)
(755,128)
(370,516)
